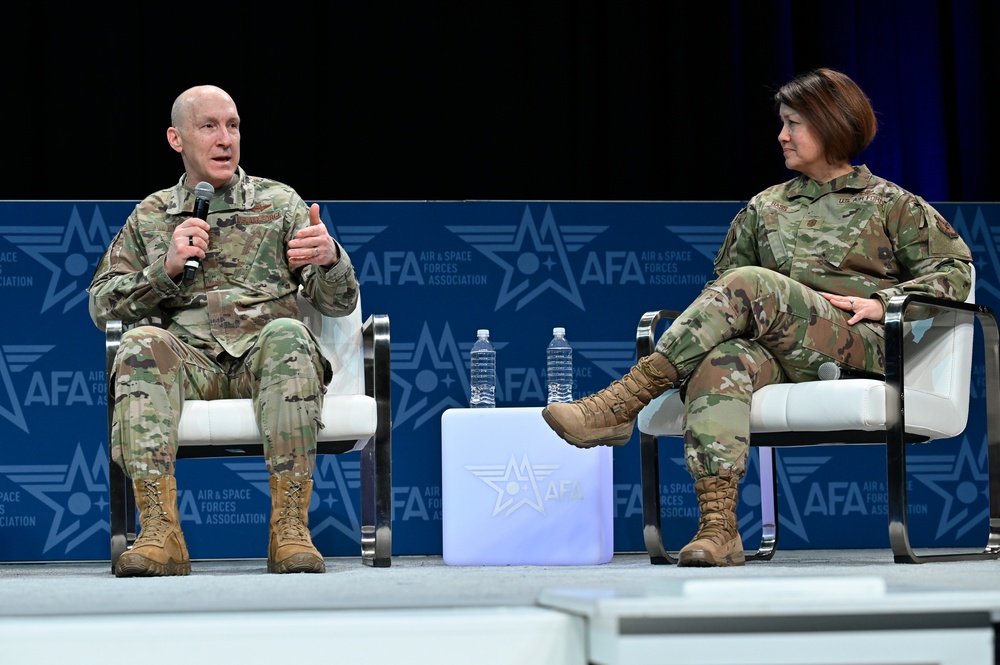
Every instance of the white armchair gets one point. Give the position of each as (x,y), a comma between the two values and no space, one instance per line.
(356,417)
(925,396)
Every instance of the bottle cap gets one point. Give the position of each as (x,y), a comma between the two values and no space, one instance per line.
(482,332)
(558,331)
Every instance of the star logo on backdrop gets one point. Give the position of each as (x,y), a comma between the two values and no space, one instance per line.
(534,257)
(69,252)
(333,483)
(516,484)
(959,480)
(982,241)
(434,364)
(76,493)
(792,469)
(13,359)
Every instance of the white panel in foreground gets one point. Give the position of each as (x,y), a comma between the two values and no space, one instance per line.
(498,636)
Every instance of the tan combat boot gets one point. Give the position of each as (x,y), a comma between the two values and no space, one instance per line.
(290,549)
(718,541)
(160,548)
(607,418)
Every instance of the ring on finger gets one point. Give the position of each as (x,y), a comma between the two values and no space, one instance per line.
(191,240)
(315,252)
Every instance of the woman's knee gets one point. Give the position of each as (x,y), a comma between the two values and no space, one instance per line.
(745,277)
(738,364)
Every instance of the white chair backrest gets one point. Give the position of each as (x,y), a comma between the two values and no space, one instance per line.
(340,338)
(938,355)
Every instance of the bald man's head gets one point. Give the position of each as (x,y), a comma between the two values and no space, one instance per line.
(188,101)
(205,130)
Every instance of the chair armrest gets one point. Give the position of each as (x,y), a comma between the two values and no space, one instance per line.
(112,340)
(645,334)
(914,307)
(375,337)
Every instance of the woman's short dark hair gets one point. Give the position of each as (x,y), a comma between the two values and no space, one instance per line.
(837,110)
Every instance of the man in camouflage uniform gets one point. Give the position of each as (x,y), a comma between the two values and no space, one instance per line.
(802,278)
(233,331)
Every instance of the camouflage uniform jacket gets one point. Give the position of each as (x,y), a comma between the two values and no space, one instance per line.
(244,281)
(858,235)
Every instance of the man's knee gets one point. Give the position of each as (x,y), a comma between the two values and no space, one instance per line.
(144,344)
(286,348)
(144,336)
(280,330)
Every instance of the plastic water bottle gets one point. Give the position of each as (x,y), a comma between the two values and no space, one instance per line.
(484,372)
(559,368)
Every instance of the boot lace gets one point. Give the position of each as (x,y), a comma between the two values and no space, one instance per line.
(714,523)
(615,398)
(153,526)
(714,528)
(290,523)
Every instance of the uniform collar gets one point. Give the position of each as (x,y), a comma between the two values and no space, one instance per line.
(238,194)
(805,187)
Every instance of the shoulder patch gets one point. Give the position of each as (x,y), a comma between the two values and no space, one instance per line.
(945,227)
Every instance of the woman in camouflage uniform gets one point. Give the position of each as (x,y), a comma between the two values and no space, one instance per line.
(802,278)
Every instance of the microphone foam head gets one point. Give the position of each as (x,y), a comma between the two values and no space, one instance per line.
(203,190)
(829,371)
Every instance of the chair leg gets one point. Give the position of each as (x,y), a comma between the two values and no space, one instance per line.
(895,448)
(121,512)
(376,506)
(899,538)
(768,505)
(652,531)
(376,456)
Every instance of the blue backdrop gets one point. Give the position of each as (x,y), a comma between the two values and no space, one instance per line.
(440,270)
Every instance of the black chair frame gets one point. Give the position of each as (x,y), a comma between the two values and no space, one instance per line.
(375,455)
(894,438)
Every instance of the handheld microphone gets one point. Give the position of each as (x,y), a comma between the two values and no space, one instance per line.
(831,371)
(203,193)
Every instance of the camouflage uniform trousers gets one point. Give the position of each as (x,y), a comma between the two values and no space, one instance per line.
(284,373)
(749,328)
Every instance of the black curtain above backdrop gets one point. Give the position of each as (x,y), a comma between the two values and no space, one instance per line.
(496,100)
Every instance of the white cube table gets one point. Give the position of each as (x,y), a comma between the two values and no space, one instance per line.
(514,493)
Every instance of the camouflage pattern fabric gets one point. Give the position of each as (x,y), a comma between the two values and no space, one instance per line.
(717,406)
(858,235)
(244,285)
(284,373)
(762,320)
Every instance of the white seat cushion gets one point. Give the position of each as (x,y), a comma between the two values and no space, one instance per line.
(348,413)
(851,404)
(231,422)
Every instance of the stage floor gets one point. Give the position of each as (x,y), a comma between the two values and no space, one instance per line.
(237,605)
